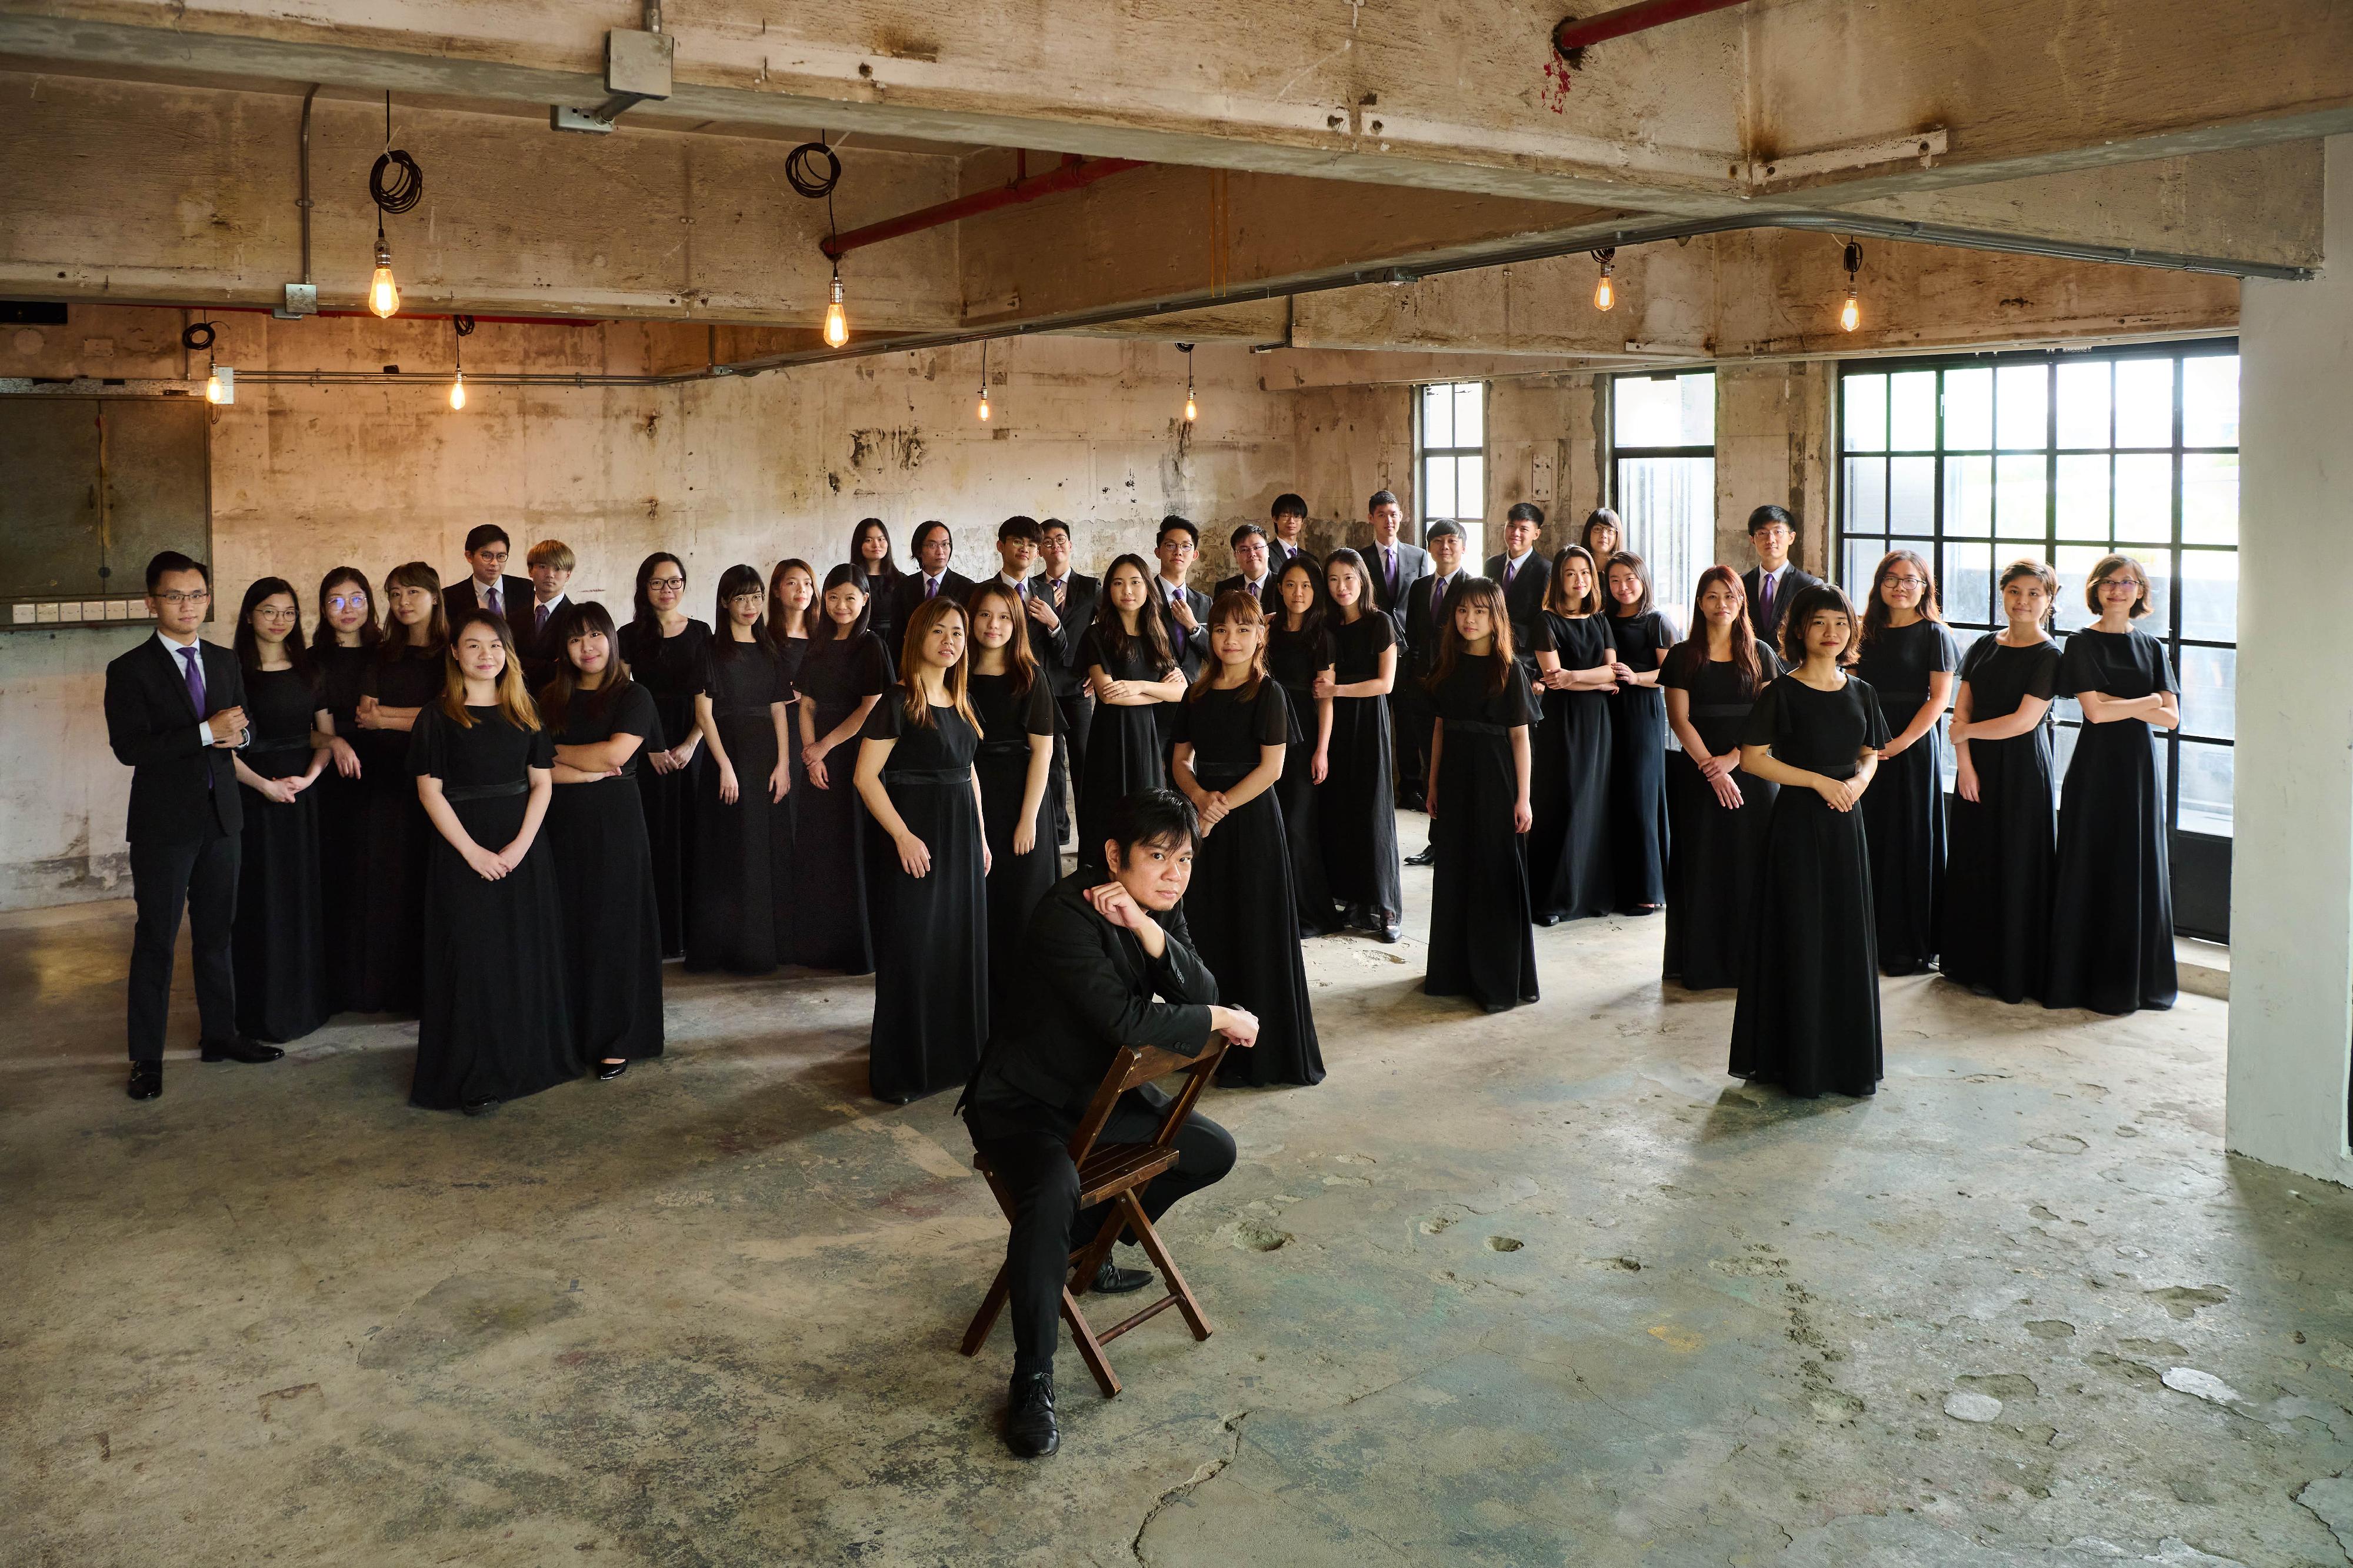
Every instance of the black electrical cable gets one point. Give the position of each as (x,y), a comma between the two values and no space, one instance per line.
(405,185)
(197,335)
(802,170)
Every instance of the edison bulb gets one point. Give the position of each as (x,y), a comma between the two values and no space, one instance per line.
(837,319)
(220,387)
(1851,316)
(1192,410)
(458,391)
(384,294)
(1604,296)
(984,408)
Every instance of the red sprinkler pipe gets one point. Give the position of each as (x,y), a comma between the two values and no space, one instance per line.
(1075,174)
(1576,33)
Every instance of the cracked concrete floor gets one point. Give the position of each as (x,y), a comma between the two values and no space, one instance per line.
(1544,1289)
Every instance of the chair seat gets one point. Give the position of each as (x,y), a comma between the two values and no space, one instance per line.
(1113,1168)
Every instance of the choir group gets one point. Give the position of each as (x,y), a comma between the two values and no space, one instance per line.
(494,808)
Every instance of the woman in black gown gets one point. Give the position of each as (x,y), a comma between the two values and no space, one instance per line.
(1355,806)
(1232,733)
(844,673)
(1298,653)
(1995,922)
(2112,907)
(1128,664)
(931,897)
(1571,876)
(742,840)
(493,1023)
(795,622)
(1016,705)
(1718,810)
(878,574)
(1639,637)
(1481,942)
(340,656)
(603,721)
(1908,659)
(275,939)
(666,652)
(1808,1016)
(412,660)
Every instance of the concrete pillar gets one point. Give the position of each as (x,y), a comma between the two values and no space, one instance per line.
(2292,875)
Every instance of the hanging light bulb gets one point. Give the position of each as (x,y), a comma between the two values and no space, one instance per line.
(1192,409)
(384,294)
(837,319)
(220,387)
(1850,314)
(395,185)
(1604,295)
(463,326)
(458,391)
(984,381)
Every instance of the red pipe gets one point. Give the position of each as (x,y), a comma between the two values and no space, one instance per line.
(402,315)
(1075,174)
(1576,33)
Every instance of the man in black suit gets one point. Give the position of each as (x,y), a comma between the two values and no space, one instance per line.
(1256,578)
(551,563)
(1396,565)
(1427,604)
(489,587)
(1184,616)
(934,545)
(1526,577)
(1106,966)
(175,716)
(1061,607)
(1775,582)
(1289,517)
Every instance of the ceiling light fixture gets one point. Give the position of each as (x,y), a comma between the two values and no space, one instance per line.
(1192,409)
(1850,314)
(464,327)
(220,387)
(395,185)
(984,381)
(1604,295)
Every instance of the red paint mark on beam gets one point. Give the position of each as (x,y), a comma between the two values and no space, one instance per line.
(1075,174)
(1574,33)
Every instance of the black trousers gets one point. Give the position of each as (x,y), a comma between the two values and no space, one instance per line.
(201,876)
(1078,712)
(1033,1163)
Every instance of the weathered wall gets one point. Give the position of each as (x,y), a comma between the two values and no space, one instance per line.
(1772,445)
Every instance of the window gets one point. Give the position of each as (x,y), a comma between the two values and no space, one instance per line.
(1662,473)
(2064,458)
(1451,459)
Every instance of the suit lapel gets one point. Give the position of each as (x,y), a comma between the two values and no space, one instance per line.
(177,675)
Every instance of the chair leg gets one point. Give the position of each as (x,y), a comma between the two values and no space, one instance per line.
(991,1305)
(1090,1257)
(1187,1302)
(1090,1348)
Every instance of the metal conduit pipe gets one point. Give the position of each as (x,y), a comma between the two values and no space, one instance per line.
(1577,32)
(1075,174)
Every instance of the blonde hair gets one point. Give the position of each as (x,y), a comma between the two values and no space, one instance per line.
(515,705)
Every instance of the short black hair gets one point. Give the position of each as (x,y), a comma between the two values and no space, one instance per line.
(1525,512)
(1288,504)
(1234,542)
(1173,520)
(172,561)
(483,533)
(1150,817)
(1020,528)
(923,531)
(1381,499)
(1765,516)
(1440,529)
(1051,524)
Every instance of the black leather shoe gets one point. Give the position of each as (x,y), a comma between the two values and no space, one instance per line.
(1031,1430)
(1427,857)
(1111,1279)
(1387,931)
(607,1071)
(146,1079)
(244,1048)
(480,1107)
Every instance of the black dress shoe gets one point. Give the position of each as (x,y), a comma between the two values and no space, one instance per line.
(146,1079)
(482,1107)
(244,1048)
(1031,1430)
(1427,857)
(607,1071)
(1111,1279)
(1388,930)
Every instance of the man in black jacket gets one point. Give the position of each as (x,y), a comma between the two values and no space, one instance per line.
(490,588)
(1184,616)
(1526,577)
(1106,966)
(934,546)
(1061,607)
(1254,573)
(1776,582)
(175,716)
(534,621)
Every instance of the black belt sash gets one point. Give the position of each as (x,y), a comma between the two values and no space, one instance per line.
(484,792)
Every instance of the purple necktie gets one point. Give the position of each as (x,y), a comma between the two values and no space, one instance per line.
(1511,570)
(931,586)
(490,602)
(1764,599)
(195,680)
(542,623)
(1022,588)
(1389,568)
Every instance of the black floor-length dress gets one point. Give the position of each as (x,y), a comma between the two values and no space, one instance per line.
(493,1023)
(339,674)
(1904,812)
(826,924)
(671,668)
(1714,853)
(1994,924)
(391,883)
(605,870)
(1240,906)
(2111,891)
(744,852)
(1016,882)
(1571,874)
(1808,1016)
(1638,764)
(931,933)
(1481,942)
(1355,806)
(276,942)
(1123,752)
(1294,659)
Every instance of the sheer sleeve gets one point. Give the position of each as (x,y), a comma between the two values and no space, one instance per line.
(2043,675)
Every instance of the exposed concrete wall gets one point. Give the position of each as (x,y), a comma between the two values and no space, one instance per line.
(1773,445)
(1351,441)
(1558,418)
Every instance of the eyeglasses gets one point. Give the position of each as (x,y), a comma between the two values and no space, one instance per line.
(746,598)
(270,614)
(177,601)
(347,602)
(666,583)
(1906,581)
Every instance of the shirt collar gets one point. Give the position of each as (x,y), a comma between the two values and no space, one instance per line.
(177,648)
(1515,560)
(549,605)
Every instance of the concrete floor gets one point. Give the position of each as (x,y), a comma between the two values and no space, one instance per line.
(1545,1288)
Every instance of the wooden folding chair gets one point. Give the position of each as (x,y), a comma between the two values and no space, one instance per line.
(1112,1172)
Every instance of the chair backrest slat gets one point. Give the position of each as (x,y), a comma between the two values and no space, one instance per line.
(1134,1066)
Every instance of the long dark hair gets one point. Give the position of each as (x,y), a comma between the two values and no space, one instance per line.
(1234,604)
(413,574)
(1596,598)
(776,611)
(1632,562)
(370,633)
(1022,663)
(1311,625)
(248,646)
(580,618)
(1686,657)
(642,613)
(956,677)
(738,579)
(515,703)
(1876,613)
(847,572)
(1112,636)
(1450,650)
(1344,556)
(1601,517)
(890,571)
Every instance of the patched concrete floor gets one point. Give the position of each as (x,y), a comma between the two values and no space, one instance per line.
(1546,1288)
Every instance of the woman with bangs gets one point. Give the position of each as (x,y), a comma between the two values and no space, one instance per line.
(274,937)
(666,649)
(1129,665)
(1298,653)
(342,651)
(931,897)
(1717,812)
(1808,1016)
(407,676)
(1355,807)
(743,839)
(1015,760)
(1638,640)
(603,723)
(878,572)
(842,679)
(1481,942)
(1571,873)
(493,1023)
(1908,659)
(1233,739)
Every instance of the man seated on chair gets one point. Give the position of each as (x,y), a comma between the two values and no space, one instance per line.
(1097,956)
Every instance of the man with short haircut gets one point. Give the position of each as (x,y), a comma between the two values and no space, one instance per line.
(1289,518)
(1776,580)
(1184,614)
(1061,607)
(1018,540)
(1107,966)
(1395,565)
(175,717)
(1427,604)
(551,563)
(1526,577)
(1255,576)
(489,587)
(934,545)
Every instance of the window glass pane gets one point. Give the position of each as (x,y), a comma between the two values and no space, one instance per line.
(1436,417)
(1967,584)
(1469,424)
(2209,594)
(2022,509)
(1438,485)
(1912,411)
(1969,410)
(2074,563)
(2083,405)
(1861,556)
(1912,495)
(1968,495)
(2210,496)
(2158,565)
(2208,675)
(1669,508)
(2083,496)
(2206,789)
(2021,405)
(1865,420)
(1679,411)
(2145,498)
(2145,403)
(1470,485)
(1866,495)
(2209,400)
